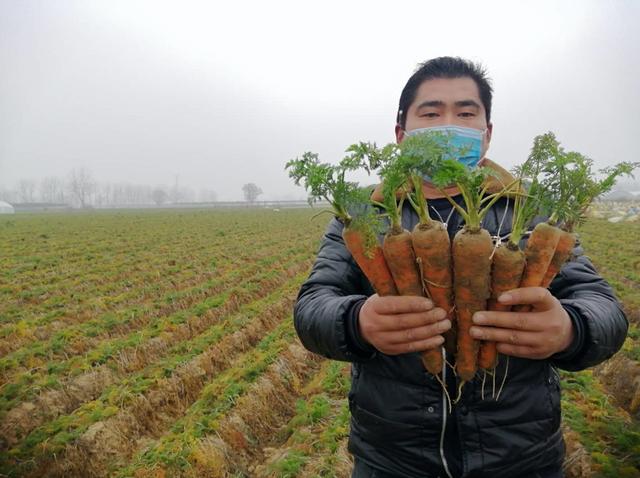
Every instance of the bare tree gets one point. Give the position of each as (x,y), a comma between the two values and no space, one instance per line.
(103,196)
(9,195)
(81,186)
(175,194)
(251,192)
(27,190)
(52,190)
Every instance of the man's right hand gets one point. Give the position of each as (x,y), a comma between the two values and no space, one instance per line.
(402,324)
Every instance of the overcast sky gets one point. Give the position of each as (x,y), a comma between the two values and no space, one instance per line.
(224,93)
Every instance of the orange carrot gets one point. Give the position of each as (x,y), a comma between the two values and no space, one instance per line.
(565,245)
(398,252)
(371,261)
(402,262)
(471,252)
(327,182)
(472,276)
(432,247)
(506,273)
(539,251)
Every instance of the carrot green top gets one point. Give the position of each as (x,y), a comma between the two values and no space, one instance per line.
(405,166)
(349,202)
(566,182)
(401,168)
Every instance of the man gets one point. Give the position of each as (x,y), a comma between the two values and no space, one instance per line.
(401,425)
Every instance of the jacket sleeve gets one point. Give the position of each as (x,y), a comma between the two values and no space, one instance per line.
(327,307)
(600,324)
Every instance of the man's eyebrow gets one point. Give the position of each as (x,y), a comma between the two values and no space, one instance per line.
(430,103)
(439,103)
(463,103)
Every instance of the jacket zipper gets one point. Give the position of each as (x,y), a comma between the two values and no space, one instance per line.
(444,414)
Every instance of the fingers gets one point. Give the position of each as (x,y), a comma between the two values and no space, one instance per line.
(507,336)
(411,321)
(527,321)
(417,334)
(400,325)
(539,297)
(415,346)
(394,305)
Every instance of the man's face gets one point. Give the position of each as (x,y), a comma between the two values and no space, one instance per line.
(447,101)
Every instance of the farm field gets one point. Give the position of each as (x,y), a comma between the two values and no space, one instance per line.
(161,343)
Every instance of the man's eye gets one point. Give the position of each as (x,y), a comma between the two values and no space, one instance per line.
(429,115)
(467,114)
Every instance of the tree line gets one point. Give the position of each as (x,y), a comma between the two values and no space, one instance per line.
(80,189)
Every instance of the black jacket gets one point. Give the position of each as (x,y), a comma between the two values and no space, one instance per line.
(400,423)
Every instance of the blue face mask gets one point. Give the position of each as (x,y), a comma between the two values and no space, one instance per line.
(468,140)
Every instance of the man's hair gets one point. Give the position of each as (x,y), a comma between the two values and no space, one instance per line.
(445,67)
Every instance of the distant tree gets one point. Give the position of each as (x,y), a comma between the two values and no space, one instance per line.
(251,192)
(81,186)
(159,196)
(52,190)
(8,195)
(27,189)
(103,194)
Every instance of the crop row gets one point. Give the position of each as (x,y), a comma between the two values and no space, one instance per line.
(313,442)
(72,338)
(154,362)
(609,434)
(132,403)
(132,352)
(101,309)
(614,250)
(242,413)
(93,290)
(34,284)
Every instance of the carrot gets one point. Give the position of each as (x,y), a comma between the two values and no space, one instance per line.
(401,260)
(398,252)
(432,247)
(538,252)
(371,262)
(472,276)
(430,238)
(326,181)
(565,245)
(398,242)
(506,272)
(571,187)
(471,252)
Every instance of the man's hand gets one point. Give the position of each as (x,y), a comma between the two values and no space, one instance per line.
(398,325)
(538,334)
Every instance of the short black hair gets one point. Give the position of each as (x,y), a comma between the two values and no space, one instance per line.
(445,67)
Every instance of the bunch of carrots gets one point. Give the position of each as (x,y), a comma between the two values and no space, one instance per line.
(467,274)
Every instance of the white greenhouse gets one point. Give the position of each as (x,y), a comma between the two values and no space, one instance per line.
(6,208)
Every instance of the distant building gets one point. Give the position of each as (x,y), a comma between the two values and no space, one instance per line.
(6,208)
(40,207)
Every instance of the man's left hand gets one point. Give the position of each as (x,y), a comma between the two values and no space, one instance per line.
(538,334)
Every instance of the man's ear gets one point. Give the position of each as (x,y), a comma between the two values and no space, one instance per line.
(488,135)
(399,133)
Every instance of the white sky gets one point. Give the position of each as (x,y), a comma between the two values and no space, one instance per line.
(224,93)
